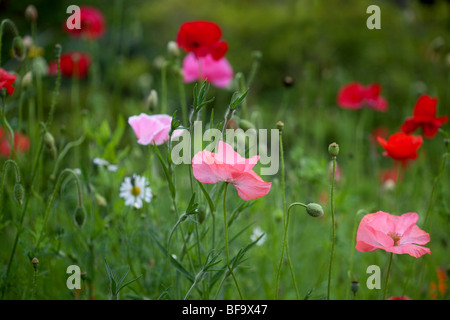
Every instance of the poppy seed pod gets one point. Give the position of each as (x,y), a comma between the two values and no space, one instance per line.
(314,210)
(280,125)
(19,193)
(35,263)
(18,48)
(333,149)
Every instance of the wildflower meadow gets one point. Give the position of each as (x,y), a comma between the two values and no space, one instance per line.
(224,150)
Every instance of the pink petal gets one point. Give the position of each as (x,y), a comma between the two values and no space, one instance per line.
(250,186)
(150,129)
(411,249)
(218,72)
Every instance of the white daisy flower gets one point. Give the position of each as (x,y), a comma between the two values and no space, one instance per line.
(104,163)
(257,232)
(135,190)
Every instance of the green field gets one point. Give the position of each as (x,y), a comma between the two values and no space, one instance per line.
(60,204)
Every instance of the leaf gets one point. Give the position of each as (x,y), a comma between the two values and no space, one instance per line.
(174,262)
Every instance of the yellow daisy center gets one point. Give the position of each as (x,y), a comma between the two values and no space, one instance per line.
(135,191)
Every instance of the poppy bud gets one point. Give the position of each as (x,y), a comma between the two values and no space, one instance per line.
(31,13)
(314,210)
(80,216)
(27,78)
(257,55)
(354,286)
(35,263)
(49,142)
(245,124)
(173,49)
(152,100)
(19,193)
(18,48)
(101,201)
(333,149)
(201,214)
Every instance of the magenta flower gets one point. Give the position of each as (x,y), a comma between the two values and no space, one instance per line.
(152,129)
(396,234)
(227,165)
(217,72)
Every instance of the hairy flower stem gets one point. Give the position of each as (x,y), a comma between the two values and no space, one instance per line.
(8,127)
(2,183)
(226,239)
(164,87)
(285,246)
(52,200)
(333,228)
(387,276)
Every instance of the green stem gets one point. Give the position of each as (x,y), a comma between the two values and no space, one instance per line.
(184,107)
(285,245)
(387,276)
(164,87)
(226,239)
(333,228)
(2,183)
(52,199)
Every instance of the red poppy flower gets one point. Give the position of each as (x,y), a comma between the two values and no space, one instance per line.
(355,96)
(92,22)
(21,143)
(202,38)
(424,115)
(6,81)
(72,63)
(401,146)
(400,298)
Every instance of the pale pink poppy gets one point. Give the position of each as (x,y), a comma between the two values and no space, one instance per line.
(396,234)
(152,129)
(218,72)
(227,165)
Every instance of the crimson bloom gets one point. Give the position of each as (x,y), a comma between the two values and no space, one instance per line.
(424,116)
(401,146)
(355,96)
(21,143)
(92,23)
(152,129)
(73,63)
(217,72)
(6,81)
(396,234)
(228,166)
(202,38)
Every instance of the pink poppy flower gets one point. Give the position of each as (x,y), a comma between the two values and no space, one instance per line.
(396,234)
(217,72)
(227,165)
(355,96)
(152,129)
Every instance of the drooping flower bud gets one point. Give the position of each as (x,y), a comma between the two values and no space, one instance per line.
(245,124)
(27,79)
(80,216)
(18,48)
(201,214)
(314,210)
(333,149)
(19,193)
(49,142)
(354,286)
